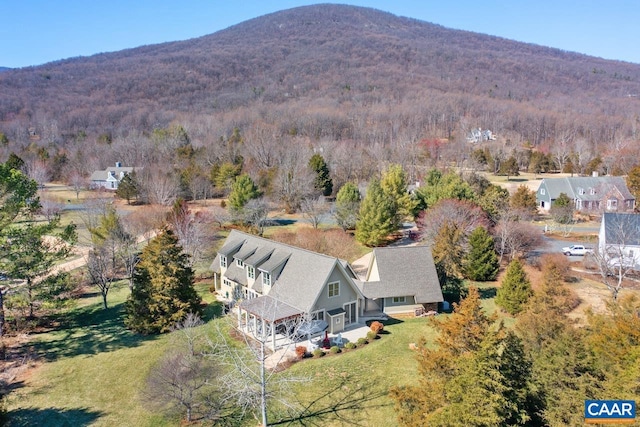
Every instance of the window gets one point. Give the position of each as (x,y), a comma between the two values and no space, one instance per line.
(239,263)
(334,289)
(543,191)
(612,204)
(592,191)
(266,278)
(251,272)
(223,261)
(580,191)
(398,300)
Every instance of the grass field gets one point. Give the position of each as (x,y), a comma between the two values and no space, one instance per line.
(90,371)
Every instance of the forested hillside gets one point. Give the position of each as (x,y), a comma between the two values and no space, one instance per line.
(330,74)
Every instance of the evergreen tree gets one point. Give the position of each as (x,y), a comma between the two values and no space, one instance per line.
(394,185)
(633,181)
(376,217)
(242,190)
(515,291)
(322,181)
(447,249)
(562,209)
(347,206)
(438,187)
(163,292)
(128,188)
(524,199)
(510,167)
(481,262)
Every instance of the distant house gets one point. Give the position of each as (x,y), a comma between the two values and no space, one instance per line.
(479,135)
(619,237)
(589,193)
(110,177)
(272,283)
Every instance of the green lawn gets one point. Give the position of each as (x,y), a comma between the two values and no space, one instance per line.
(93,370)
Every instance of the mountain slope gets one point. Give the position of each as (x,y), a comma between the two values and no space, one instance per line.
(330,52)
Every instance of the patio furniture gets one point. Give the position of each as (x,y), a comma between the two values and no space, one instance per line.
(338,340)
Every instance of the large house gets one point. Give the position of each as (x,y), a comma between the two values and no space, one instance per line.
(589,193)
(110,177)
(273,284)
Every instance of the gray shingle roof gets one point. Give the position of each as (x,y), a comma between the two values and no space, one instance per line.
(104,174)
(269,308)
(404,271)
(301,280)
(601,185)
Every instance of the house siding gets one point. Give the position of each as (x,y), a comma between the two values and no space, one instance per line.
(347,293)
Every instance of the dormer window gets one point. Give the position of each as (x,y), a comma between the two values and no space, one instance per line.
(592,191)
(266,278)
(223,261)
(239,263)
(251,272)
(581,191)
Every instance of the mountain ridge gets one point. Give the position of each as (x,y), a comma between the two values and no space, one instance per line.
(326,52)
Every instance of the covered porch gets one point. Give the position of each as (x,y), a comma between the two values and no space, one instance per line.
(269,320)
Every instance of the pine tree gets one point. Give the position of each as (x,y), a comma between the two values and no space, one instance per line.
(633,181)
(481,262)
(128,188)
(515,291)
(163,292)
(347,206)
(242,190)
(524,199)
(322,182)
(562,209)
(394,186)
(376,217)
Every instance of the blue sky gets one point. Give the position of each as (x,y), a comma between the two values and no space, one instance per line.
(34,32)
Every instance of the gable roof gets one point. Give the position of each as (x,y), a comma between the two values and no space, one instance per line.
(601,184)
(299,275)
(403,271)
(103,175)
(621,228)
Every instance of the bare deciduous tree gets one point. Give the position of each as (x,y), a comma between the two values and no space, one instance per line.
(315,210)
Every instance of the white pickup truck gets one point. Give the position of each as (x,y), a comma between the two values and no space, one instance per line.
(576,250)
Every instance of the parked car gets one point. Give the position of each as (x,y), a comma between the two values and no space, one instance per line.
(579,250)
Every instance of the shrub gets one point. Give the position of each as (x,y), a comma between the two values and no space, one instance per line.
(335,349)
(301,351)
(361,342)
(377,327)
(350,345)
(371,335)
(318,352)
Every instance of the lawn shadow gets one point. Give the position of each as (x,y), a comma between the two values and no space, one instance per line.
(86,331)
(213,310)
(343,401)
(282,221)
(488,293)
(392,321)
(53,417)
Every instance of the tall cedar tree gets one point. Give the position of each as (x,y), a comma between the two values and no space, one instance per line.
(322,181)
(242,190)
(515,291)
(633,181)
(459,336)
(128,188)
(562,209)
(481,262)
(448,251)
(394,185)
(376,221)
(347,206)
(524,199)
(163,292)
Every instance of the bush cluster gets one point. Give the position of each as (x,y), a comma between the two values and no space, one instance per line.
(335,349)
(350,345)
(361,342)
(301,351)
(371,335)
(318,352)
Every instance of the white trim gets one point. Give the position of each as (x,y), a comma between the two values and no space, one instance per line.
(336,292)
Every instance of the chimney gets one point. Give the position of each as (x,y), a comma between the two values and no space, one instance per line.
(118,164)
(594,174)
